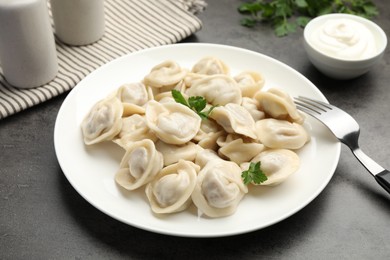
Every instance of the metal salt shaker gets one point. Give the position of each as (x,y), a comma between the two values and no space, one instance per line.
(78,22)
(27,47)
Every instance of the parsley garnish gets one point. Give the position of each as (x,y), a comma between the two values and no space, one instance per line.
(197,104)
(286,15)
(253,174)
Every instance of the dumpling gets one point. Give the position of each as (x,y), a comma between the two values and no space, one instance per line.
(103,122)
(191,77)
(139,165)
(219,188)
(133,97)
(210,141)
(173,123)
(207,127)
(234,119)
(218,90)
(173,153)
(238,150)
(165,74)
(164,95)
(275,133)
(210,66)
(134,128)
(279,105)
(253,108)
(171,190)
(277,165)
(208,134)
(133,93)
(249,82)
(204,156)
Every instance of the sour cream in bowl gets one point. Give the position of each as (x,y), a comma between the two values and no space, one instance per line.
(344,46)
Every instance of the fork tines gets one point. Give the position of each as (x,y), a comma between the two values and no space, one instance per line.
(311,106)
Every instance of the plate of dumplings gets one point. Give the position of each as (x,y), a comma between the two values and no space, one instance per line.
(194,140)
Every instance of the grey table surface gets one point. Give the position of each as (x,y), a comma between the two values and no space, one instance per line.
(43,217)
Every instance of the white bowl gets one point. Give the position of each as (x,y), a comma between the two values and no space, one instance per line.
(334,65)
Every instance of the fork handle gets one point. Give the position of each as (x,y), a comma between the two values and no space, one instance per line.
(383,178)
(381,175)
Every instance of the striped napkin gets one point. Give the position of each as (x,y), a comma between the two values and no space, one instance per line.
(131,25)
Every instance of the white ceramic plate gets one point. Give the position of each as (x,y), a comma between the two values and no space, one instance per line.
(91,170)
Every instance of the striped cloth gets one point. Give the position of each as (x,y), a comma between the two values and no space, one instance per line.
(131,25)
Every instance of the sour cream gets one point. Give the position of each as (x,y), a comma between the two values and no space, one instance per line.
(345,39)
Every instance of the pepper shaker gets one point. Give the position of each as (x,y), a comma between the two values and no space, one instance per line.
(27,47)
(78,22)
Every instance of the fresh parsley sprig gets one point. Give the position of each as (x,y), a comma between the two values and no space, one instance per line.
(197,104)
(253,174)
(287,15)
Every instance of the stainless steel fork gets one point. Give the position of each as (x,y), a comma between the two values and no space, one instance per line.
(347,130)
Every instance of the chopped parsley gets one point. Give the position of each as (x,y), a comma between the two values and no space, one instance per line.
(197,104)
(253,174)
